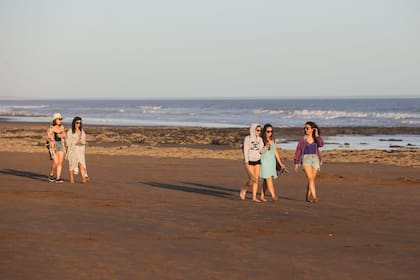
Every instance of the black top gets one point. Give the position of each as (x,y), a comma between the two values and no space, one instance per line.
(56,137)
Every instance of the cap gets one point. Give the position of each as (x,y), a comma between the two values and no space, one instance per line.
(57,116)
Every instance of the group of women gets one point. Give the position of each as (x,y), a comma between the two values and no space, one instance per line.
(70,146)
(260,151)
(261,157)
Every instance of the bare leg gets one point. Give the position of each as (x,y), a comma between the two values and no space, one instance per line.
(308,193)
(243,191)
(263,190)
(270,188)
(60,158)
(256,173)
(71,176)
(83,172)
(53,166)
(311,175)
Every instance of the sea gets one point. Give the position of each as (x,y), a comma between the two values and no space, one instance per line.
(326,112)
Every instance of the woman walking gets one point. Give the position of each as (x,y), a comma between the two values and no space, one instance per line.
(252,149)
(76,141)
(268,162)
(308,155)
(56,142)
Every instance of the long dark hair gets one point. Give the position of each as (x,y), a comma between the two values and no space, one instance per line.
(73,124)
(264,134)
(313,125)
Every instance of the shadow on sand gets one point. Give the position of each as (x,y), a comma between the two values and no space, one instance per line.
(220,192)
(26,174)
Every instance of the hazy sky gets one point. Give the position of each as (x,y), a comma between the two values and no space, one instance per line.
(217,48)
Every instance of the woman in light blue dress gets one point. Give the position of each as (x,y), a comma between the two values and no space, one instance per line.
(268,162)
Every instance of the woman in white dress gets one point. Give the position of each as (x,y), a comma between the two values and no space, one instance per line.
(76,142)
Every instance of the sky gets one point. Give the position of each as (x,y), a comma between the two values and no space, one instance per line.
(113,49)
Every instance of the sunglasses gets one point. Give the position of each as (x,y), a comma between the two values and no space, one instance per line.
(269,131)
(258,130)
(307,128)
(78,122)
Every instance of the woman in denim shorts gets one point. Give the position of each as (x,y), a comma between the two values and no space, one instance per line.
(307,154)
(56,143)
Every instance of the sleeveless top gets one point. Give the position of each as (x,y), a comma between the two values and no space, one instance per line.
(268,163)
(56,137)
(310,148)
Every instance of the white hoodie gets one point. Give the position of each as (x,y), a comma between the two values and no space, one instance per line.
(253,145)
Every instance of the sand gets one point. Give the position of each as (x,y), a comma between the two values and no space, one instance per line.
(196,142)
(172,211)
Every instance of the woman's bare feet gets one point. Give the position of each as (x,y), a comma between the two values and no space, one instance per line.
(85,180)
(256,200)
(316,200)
(263,199)
(242,194)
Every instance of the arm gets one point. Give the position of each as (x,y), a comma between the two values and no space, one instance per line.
(50,141)
(276,151)
(82,140)
(49,136)
(246,147)
(298,154)
(263,148)
(69,141)
(319,141)
(299,151)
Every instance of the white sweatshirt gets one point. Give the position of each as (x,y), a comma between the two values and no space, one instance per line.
(253,145)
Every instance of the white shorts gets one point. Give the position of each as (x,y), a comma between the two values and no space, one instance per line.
(312,161)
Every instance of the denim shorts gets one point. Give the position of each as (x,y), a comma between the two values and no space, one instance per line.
(312,160)
(59,146)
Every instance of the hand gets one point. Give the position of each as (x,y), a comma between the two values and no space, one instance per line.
(316,132)
(296,167)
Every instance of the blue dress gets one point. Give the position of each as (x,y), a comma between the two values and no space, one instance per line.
(268,163)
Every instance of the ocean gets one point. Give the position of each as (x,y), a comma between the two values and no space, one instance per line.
(230,113)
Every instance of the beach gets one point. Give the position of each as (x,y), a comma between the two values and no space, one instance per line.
(200,142)
(163,203)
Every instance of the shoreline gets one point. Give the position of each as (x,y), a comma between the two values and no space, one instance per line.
(288,131)
(195,142)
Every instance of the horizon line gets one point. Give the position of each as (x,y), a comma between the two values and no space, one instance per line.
(5,98)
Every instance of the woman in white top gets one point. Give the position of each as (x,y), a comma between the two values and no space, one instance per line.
(252,149)
(76,141)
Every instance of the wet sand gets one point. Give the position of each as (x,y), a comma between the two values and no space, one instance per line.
(165,216)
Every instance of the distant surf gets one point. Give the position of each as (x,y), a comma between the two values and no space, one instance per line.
(221,113)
